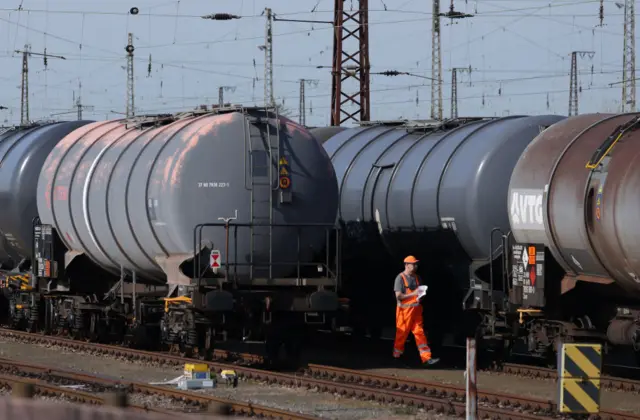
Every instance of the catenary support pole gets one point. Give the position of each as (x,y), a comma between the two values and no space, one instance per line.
(471,380)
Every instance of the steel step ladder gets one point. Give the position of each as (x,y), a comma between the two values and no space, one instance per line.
(264,146)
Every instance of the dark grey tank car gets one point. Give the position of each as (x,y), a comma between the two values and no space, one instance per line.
(434,190)
(23,151)
(130,193)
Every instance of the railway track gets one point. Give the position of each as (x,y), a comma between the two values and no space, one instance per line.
(45,389)
(431,396)
(606,382)
(52,379)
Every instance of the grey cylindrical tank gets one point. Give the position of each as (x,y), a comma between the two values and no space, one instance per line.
(22,154)
(323,134)
(131,197)
(586,217)
(438,191)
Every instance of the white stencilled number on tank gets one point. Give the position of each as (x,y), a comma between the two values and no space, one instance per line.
(223,184)
(526,209)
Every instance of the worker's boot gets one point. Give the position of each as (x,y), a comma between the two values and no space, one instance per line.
(431,362)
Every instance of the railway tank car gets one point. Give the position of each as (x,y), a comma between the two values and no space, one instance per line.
(435,190)
(23,150)
(202,225)
(573,211)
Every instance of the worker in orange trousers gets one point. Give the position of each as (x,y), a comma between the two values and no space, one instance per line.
(409,312)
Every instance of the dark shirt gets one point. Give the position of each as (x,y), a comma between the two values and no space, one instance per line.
(398,285)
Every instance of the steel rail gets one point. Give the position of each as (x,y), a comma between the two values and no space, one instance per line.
(442,401)
(446,399)
(606,382)
(442,405)
(46,389)
(49,374)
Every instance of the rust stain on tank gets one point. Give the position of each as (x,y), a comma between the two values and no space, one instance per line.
(589,246)
(167,170)
(64,167)
(192,136)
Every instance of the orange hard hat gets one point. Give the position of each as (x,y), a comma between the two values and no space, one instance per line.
(410,260)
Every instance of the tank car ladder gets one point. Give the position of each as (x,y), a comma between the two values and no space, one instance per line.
(262,191)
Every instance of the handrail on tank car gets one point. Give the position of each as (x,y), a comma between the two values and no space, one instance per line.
(34,269)
(503,251)
(328,227)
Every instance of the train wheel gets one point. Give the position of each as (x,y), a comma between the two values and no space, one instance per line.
(208,347)
(93,335)
(185,350)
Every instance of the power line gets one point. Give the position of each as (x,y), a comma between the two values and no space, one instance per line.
(380,103)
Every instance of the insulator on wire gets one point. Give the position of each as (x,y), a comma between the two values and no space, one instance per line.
(221,16)
(548,101)
(601,12)
(149,67)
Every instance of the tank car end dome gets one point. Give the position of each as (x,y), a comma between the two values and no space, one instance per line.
(23,151)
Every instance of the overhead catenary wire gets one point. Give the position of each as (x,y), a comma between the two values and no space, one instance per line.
(204,70)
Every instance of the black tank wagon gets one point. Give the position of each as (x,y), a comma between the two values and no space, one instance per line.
(530,222)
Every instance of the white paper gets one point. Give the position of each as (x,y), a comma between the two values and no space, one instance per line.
(422,290)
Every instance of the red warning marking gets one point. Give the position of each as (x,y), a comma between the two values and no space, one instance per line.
(285,183)
(214,261)
(532,275)
(61,192)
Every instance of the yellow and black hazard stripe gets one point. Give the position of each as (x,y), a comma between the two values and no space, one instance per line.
(580,369)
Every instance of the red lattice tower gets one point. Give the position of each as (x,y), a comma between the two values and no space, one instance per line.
(350,62)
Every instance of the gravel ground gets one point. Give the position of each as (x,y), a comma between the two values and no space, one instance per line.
(509,384)
(293,399)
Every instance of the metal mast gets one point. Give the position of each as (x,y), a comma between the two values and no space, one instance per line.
(629,58)
(130,112)
(436,61)
(268,59)
(24,100)
(302,118)
(350,64)
(436,64)
(221,91)
(573,80)
(79,104)
(454,89)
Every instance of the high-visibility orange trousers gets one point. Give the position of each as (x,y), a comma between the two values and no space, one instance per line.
(409,320)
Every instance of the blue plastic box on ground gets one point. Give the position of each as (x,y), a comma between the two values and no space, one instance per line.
(186,384)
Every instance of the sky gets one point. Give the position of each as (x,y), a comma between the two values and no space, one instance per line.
(519,53)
